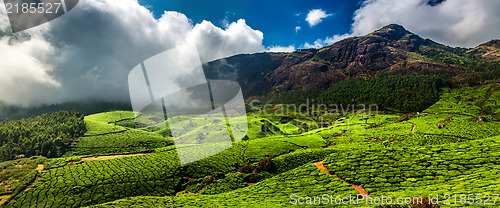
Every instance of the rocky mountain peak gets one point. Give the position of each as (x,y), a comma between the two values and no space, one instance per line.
(388,49)
(393,32)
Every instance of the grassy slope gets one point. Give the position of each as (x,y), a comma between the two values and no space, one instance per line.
(383,154)
(16,175)
(390,159)
(80,184)
(104,136)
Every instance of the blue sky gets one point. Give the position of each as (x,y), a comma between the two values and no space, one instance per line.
(277,19)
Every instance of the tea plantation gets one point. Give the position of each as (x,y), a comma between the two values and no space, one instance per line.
(450,148)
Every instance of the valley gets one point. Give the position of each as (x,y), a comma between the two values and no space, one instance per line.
(442,150)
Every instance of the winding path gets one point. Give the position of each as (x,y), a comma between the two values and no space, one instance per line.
(358,188)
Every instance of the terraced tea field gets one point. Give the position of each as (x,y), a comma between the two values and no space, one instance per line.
(108,133)
(450,148)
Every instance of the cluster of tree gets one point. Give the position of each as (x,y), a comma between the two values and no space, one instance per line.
(295,97)
(406,93)
(479,69)
(48,135)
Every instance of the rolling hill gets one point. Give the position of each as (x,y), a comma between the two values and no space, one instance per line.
(436,135)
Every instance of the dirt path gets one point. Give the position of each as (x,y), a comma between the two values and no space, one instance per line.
(413,128)
(109,157)
(39,168)
(34,181)
(358,188)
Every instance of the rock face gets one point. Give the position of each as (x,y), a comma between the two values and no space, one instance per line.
(376,51)
(246,69)
(388,49)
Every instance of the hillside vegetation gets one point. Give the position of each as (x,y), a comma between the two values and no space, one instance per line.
(404,93)
(433,130)
(449,148)
(48,135)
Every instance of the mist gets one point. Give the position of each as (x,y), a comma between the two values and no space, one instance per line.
(88,53)
(458,23)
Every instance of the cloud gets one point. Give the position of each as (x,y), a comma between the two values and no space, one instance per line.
(214,42)
(315,16)
(456,23)
(289,48)
(297,29)
(87,53)
(22,62)
(319,43)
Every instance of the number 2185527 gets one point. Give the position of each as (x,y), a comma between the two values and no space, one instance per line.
(33,8)
(480,199)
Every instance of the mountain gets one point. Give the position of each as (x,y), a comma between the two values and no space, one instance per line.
(356,62)
(490,50)
(389,50)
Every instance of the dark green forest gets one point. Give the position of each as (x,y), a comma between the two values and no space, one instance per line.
(48,135)
(404,93)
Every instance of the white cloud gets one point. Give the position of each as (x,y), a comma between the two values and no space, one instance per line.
(316,16)
(23,69)
(461,23)
(297,29)
(214,42)
(289,48)
(317,44)
(325,42)
(457,23)
(87,53)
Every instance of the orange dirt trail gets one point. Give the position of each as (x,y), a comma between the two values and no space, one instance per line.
(358,188)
